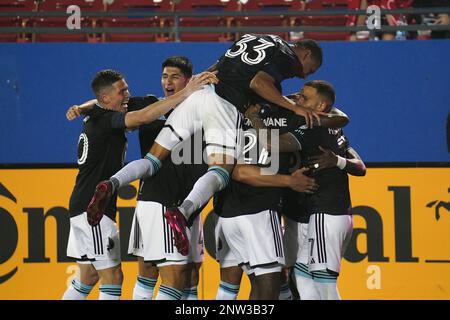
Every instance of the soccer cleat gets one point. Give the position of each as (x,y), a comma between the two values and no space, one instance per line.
(177,222)
(100,199)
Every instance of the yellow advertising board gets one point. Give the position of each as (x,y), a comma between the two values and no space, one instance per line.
(400,247)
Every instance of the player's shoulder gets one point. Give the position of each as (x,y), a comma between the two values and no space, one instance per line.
(136,103)
(98,112)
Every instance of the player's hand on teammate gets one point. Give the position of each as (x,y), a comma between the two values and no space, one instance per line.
(199,80)
(252,111)
(327,159)
(311,116)
(303,183)
(73,112)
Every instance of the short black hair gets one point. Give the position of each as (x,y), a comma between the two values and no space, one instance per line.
(180,62)
(324,88)
(313,46)
(104,79)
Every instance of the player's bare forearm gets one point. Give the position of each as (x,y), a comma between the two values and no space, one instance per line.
(212,68)
(88,105)
(77,110)
(352,162)
(154,111)
(264,85)
(332,121)
(297,181)
(354,166)
(251,175)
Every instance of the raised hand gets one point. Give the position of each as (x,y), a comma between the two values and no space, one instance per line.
(311,116)
(73,112)
(199,80)
(327,159)
(252,111)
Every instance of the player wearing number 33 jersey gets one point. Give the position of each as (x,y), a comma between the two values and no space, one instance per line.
(253,65)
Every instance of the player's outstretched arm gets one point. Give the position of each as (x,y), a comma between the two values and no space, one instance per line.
(251,175)
(77,110)
(264,85)
(352,163)
(334,119)
(154,111)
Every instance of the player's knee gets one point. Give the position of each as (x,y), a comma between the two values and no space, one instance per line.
(223,177)
(148,270)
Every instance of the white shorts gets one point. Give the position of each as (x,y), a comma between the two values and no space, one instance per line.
(295,235)
(204,109)
(327,239)
(224,255)
(255,240)
(101,264)
(152,238)
(99,245)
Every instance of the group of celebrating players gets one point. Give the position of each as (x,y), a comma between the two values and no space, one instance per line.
(276,166)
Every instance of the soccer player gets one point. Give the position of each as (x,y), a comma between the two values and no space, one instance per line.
(248,231)
(254,64)
(101,150)
(322,228)
(246,209)
(176,73)
(151,237)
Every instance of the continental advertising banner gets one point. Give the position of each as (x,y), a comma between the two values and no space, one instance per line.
(400,247)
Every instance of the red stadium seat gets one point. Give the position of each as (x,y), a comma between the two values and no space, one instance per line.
(154,21)
(19,6)
(329,5)
(265,21)
(212,6)
(60,22)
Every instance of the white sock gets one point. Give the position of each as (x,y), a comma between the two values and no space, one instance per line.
(77,291)
(326,284)
(143,289)
(190,294)
(227,291)
(306,286)
(168,293)
(135,170)
(285,292)
(110,292)
(212,181)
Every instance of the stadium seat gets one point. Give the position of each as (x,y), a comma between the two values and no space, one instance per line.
(60,22)
(16,6)
(265,21)
(340,20)
(154,21)
(211,6)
